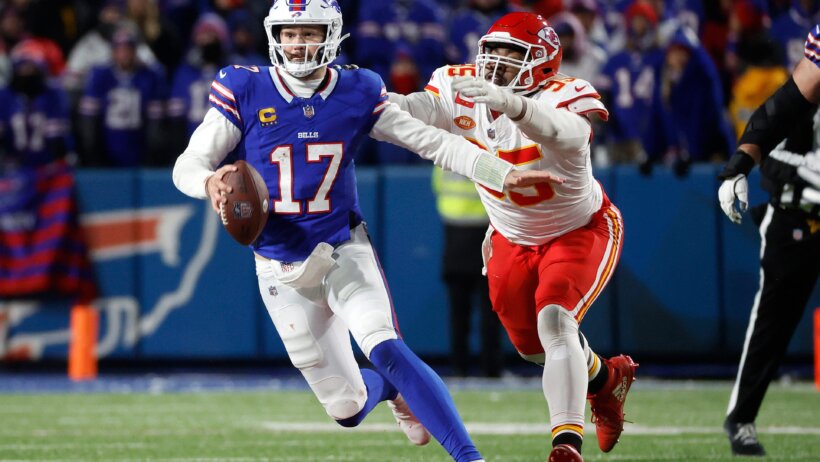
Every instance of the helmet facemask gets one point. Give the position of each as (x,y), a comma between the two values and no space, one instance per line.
(533,67)
(325,51)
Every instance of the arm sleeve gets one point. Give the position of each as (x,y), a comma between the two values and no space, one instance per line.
(222,97)
(210,144)
(422,105)
(559,129)
(448,151)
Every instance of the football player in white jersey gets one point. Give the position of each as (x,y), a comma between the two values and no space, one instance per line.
(551,248)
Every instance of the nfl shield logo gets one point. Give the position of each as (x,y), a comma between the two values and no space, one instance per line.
(308,111)
(491,133)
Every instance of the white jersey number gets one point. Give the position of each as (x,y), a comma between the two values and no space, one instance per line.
(282,155)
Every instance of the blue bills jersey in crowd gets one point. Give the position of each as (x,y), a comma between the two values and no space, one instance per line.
(189,94)
(125,102)
(788,30)
(466,27)
(303,148)
(28,128)
(811,49)
(630,80)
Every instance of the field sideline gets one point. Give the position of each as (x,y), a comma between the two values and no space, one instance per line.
(674,421)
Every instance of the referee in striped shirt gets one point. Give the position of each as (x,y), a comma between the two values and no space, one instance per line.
(789,231)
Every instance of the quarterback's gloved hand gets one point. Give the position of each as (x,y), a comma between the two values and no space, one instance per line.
(482,91)
(733,189)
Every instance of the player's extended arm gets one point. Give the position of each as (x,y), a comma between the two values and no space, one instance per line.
(421,105)
(771,122)
(559,129)
(452,152)
(210,144)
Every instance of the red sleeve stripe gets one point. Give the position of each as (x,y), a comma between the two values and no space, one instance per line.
(432,89)
(223,91)
(224,106)
(380,107)
(572,100)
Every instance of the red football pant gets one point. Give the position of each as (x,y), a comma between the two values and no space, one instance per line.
(570,271)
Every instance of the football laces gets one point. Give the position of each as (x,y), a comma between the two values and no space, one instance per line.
(222,213)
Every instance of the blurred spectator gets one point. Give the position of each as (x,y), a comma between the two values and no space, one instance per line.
(14,27)
(696,127)
(394,28)
(243,40)
(156,32)
(581,58)
(94,48)
(546,8)
(587,12)
(627,84)
(789,29)
(763,75)
(121,110)
(468,25)
(34,113)
(674,14)
(192,80)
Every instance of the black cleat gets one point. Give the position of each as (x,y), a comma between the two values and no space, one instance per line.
(743,438)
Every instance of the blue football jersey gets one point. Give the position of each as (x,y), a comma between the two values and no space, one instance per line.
(27,127)
(631,79)
(303,148)
(189,94)
(789,31)
(125,102)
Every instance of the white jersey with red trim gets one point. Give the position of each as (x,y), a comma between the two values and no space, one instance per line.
(532,215)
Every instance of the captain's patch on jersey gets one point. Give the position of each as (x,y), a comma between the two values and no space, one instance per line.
(267,116)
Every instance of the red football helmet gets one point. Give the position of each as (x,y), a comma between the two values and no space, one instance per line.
(534,36)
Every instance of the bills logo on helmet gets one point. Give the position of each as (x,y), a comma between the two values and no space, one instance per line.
(548,35)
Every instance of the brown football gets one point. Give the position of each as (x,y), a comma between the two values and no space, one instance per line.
(245,213)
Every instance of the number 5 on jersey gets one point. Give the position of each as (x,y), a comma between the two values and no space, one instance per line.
(315,152)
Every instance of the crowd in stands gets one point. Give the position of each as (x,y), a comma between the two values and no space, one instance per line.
(123,83)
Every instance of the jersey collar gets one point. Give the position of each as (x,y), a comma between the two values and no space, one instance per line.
(324,90)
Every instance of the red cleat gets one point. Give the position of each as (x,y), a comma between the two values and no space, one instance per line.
(565,453)
(608,404)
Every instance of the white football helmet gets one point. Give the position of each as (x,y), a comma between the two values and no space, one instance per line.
(304,13)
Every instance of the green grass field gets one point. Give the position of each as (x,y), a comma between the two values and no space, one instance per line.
(674,421)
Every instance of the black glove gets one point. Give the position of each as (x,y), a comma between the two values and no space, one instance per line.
(645,167)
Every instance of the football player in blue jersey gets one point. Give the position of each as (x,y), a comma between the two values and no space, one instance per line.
(299,123)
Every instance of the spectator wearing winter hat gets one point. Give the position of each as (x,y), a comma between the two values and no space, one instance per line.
(192,79)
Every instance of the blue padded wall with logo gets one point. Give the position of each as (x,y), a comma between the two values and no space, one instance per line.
(176,286)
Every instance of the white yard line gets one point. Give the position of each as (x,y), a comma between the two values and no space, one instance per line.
(511,428)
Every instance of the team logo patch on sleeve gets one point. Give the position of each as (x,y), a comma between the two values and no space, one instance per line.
(464,122)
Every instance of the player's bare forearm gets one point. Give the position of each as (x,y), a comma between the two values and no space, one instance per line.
(807,77)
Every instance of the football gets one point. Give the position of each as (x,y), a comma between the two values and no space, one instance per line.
(246,211)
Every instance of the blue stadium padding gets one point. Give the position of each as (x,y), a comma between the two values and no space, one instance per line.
(111,196)
(667,291)
(598,324)
(198,299)
(412,258)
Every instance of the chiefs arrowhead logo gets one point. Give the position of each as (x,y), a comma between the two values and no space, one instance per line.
(464,122)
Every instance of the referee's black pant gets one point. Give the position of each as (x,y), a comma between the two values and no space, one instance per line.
(790,263)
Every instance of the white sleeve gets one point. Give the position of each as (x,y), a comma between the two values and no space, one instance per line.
(448,151)
(559,129)
(422,105)
(211,142)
